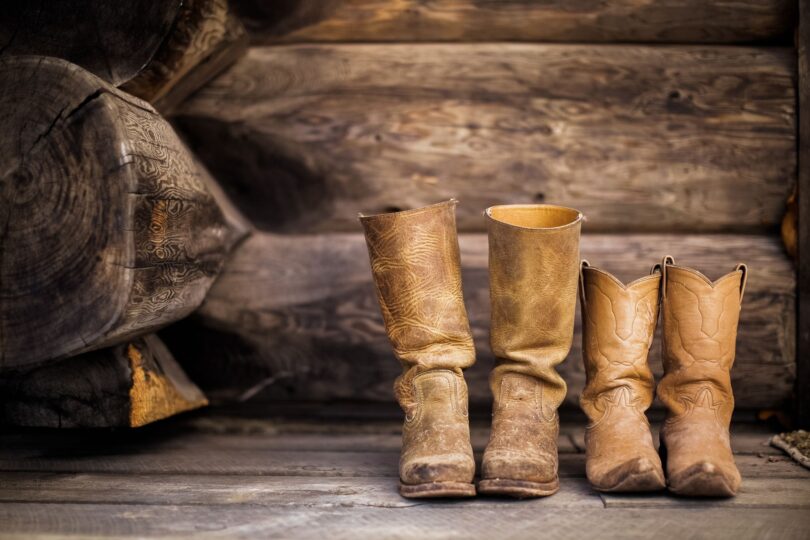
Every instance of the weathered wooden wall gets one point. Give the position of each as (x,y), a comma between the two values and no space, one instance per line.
(670,140)
(308,321)
(639,138)
(679,21)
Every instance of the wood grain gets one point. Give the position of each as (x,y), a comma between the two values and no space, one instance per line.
(640,138)
(803,208)
(478,519)
(130,385)
(327,492)
(181,479)
(107,228)
(700,21)
(111,40)
(294,317)
(204,40)
(312,463)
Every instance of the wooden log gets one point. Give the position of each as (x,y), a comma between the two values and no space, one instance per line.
(205,39)
(160,51)
(700,21)
(295,317)
(130,385)
(640,138)
(107,229)
(112,40)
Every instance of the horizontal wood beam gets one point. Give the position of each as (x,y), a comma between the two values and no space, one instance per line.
(296,316)
(667,21)
(640,138)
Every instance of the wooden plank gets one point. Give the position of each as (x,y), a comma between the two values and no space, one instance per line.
(754,493)
(473,519)
(234,490)
(701,21)
(640,138)
(236,461)
(306,325)
(71,442)
(803,336)
(325,492)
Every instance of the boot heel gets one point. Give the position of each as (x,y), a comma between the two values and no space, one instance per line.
(437,489)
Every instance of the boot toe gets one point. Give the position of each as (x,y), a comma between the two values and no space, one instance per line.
(705,479)
(438,468)
(517,466)
(635,475)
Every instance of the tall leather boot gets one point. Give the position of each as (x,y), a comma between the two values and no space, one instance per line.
(533,273)
(700,329)
(618,324)
(415,263)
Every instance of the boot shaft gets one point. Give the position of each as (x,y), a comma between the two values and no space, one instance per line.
(533,262)
(415,264)
(618,325)
(699,319)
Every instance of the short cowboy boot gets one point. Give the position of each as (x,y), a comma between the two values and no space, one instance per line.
(700,330)
(415,264)
(533,273)
(618,324)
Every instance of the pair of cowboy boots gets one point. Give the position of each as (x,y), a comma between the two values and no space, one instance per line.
(699,333)
(533,271)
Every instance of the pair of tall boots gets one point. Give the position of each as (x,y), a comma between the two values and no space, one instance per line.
(533,271)
(699,333)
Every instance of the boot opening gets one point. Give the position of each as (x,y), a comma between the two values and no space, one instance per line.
(534,216)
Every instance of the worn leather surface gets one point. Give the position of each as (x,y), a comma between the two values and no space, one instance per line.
(415,264)
(618,324)
(699,335)
(533,273)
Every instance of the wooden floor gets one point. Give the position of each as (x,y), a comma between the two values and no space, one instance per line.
(209,475)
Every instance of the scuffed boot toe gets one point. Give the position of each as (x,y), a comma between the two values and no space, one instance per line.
(635,475)
(517,475)
(445,475)
(705,479)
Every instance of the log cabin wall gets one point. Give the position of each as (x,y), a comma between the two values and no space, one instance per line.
(671,125)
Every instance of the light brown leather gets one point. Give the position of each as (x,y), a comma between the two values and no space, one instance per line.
(699,333)
(533,273)
(618,324)
(415,264)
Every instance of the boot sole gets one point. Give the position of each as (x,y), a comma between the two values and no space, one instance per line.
(519,489)
(437,490)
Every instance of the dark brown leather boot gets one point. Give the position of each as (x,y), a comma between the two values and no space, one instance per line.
(415,263)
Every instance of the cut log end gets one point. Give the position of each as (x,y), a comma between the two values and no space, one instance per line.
(107,226)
